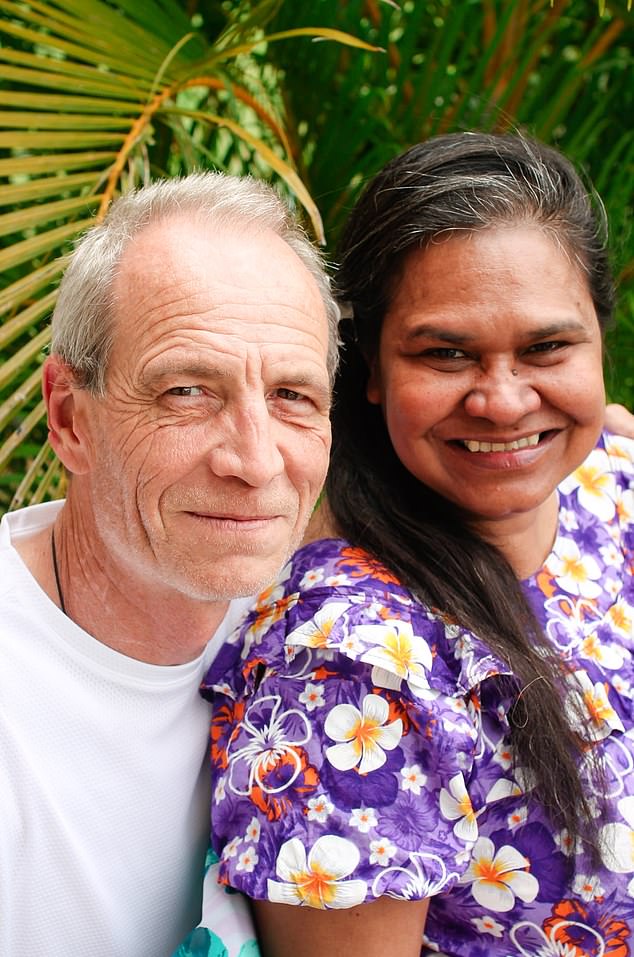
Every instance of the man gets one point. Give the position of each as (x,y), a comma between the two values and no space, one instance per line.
(188,386)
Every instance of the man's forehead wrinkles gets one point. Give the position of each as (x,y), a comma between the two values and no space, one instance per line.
(216,316)
(165,286)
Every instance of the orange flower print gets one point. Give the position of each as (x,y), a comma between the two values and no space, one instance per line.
(358,563)
(577,927)
(275,800)
(227,717)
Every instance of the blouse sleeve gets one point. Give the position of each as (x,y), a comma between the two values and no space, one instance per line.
(341,752)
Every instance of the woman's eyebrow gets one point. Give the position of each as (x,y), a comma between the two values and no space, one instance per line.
(556,328)
(426,330)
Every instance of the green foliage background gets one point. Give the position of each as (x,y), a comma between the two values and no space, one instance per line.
(98,95)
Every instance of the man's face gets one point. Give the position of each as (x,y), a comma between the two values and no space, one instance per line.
(211,444)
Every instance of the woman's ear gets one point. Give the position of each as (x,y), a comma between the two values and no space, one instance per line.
(66,416)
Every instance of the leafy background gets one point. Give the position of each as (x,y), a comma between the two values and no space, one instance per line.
(98,96)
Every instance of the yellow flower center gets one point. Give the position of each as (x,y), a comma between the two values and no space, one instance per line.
(488,872)
(365,732)
(591,479)
(399,648)
(573,567)
(619,617)
(315,888)
(591,647)
(320,638)
(598,707)
(465,807)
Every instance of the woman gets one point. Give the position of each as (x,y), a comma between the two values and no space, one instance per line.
(426,723)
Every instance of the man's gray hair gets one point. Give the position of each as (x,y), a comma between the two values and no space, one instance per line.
(82,325)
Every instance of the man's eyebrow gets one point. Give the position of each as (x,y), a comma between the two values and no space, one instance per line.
(156,372)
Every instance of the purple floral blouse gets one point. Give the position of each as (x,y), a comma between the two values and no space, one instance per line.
(360,744)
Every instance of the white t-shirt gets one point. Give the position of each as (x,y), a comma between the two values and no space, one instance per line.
(103,781)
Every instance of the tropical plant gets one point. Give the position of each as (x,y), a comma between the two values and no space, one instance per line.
(98,95)
(562,70)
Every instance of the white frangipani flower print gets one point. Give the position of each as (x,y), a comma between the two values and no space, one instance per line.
(587,700)
(247,860)
(312,577)
(317,881)
(498,877)
(253,831)
(595,484)
(487,925)
(381,852)
(413,778)
(312,696)
(220,791)
(566,843)
(588,887)
(363,818)
(608,655)
(364,735)
(517,818)
(616,840)
(315,633)
(621,451)
(397,655)
(621,617)
(625,507)
(319,808)
(231,847)
(577,573)
(455,805)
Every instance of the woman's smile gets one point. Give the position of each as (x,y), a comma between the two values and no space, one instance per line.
(489,370)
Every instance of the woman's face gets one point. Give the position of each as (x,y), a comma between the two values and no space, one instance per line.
(489,369)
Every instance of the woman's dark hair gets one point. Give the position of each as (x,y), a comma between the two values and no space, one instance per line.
(465,182)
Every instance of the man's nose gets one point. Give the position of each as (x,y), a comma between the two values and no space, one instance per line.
(503,395)
(248,446)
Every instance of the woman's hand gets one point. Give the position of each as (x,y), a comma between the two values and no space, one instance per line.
(620,420)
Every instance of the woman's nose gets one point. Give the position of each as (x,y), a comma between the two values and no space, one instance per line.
(503,395)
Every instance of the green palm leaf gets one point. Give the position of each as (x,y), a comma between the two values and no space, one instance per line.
(97,97)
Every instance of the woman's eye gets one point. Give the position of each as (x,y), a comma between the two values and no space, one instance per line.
(445,353)
(551,346)
(186,390)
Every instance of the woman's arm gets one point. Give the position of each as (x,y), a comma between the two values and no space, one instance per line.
(385,926)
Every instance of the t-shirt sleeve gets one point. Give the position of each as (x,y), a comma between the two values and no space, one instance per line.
(341,754)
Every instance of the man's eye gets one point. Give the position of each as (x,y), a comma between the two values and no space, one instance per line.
(288,394)
(186,390)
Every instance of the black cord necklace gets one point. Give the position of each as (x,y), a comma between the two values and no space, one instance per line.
(56,570)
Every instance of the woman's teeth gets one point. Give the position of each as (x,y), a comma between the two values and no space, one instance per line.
(524,443)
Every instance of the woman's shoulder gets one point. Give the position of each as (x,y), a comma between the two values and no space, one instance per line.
(604,476)
(335,601)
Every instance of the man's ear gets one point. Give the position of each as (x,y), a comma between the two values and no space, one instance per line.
(66,410)
(373,389)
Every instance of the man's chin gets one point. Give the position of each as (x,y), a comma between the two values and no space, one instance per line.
(238,578)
